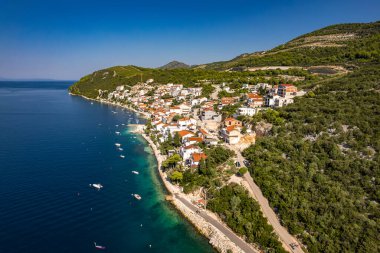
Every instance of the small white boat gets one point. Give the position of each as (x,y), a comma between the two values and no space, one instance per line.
(135,172)
(138,197)
(97,186)
(118,133)
(123,124)
(114,112)
(92,103)
(117,144)
(120,149)
(121,156)
(99,247)
(116,125)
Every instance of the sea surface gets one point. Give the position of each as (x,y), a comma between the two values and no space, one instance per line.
(52,146)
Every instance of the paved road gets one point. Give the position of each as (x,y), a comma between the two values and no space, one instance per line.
(226,231)
(286,238)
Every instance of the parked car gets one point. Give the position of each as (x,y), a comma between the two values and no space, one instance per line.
(237,164)
(246,163)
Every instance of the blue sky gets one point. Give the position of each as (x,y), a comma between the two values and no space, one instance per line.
(67,39)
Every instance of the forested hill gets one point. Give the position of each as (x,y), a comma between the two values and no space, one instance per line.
(342,44)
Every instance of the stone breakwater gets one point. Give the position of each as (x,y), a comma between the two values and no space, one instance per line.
(216,238)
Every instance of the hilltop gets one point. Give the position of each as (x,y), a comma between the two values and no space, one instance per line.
(175,65)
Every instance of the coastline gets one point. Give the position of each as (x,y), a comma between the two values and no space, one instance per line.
(216,238)
(183,204)
(102,101)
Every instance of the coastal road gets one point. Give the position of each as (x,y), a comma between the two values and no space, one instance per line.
(222,228)
(286,238)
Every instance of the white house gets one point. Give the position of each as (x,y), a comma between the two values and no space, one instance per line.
(231,134)
(175,109)
(185,122)
(187,151)
(185,109)
(247,111)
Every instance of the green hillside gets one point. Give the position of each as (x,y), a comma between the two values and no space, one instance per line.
(342,44)
(321,169)
(108,79)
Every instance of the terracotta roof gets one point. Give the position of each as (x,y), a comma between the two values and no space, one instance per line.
(201,201)
(286,85)
(230,119)
(204,132)
(230,128)
(190,147)
(254,96)
(198,156)
(197,139)
(184,132)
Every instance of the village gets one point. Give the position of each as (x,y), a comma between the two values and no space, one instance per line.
(199,121)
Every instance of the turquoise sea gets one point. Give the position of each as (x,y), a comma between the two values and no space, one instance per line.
(52,146)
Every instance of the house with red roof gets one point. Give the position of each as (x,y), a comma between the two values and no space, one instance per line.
(196,157)
(185,133)
(187,151)
(192,140)
(185,122)
(175,109)
(232,122)
(286,89)
(255,100)
(231,134)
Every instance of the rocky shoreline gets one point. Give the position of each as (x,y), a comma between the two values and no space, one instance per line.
(216,238)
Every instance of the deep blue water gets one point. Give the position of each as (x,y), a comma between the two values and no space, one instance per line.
(52,146)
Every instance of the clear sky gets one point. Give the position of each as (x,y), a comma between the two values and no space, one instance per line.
(66,39)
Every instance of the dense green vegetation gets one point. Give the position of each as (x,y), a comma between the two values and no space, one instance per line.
(109,79)
(243,215)
(207,174)
(364,47)
(321,169)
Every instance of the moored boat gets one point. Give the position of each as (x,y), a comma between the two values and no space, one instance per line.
(99,246)
(97,186)
(138,197)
